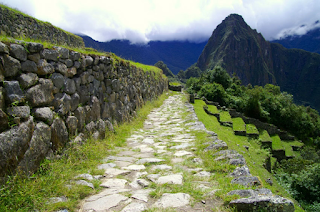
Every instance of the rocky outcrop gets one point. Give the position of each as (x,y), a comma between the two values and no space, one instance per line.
(17,24)
(62,93)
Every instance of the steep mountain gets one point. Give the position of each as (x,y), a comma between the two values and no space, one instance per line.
(243,51)
(309,41)
(177,55)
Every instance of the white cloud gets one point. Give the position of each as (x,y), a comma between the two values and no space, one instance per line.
(144,20)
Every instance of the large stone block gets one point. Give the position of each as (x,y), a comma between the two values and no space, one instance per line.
(44,67)
(41,94)
(81,116)
(59,134)
(3,121)
(12,66)
(62,103)
(44,114)
(18,52)
(13,91)
(28,80)
(72,123)
(13,144)
(50,54)
(38,148)
(19,111)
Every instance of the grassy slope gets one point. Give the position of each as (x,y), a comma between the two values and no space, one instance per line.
(255,156)
(238,124)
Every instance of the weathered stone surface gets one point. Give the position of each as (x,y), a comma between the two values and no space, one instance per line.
(19,111)
(3,121)
(34,47)
(2,99)
(171,179)
(59,134)
(84,176)
(12,66)
(28,80)
(109,126)
(88,61)
(172,200)
(38,148)
(135,207)
(63,52)
(104,203)
(203,174)
(4,48)
(81,116)
(90,128)
(162,167)
(72,123)
(62,103)
(265,203)
(217,145)
(44,68)
(114,183)
(75,100)
(13,144)
(246,181)
(29,66)
(149,160)
(182,153)
(111,172)
(69,86)
(41,94)
(34,57)
(61,68)
(44,114)
(57,80)
(18,52)
(95,108)
(84,183)
(106,166)
(241,171)
(13,91)
(50,54)
(135,167)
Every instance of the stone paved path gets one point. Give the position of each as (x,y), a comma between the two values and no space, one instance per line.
(156,157)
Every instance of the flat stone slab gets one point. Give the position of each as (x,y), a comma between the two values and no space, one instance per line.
(127,159)
(134,207)
(105,192)
(114,183)
(172,200)
(182,153)
(203,174)
(135,167)
(171,179)
(142,194)
(149,160)
(106,166)
(148,141)
(111,172)
(153,177)
(162,167)
(104,203)
(181,146)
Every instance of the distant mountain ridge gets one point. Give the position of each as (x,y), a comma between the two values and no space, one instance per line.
(309,41)
(243,51)
(177,55)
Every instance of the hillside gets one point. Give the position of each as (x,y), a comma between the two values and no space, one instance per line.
(309,41)
(177,55)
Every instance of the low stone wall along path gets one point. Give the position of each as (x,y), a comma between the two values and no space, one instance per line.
(156,170)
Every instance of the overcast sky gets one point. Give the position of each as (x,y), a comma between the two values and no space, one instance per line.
(193,20)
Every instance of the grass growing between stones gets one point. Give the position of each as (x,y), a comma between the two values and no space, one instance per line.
(55,178)
(254,156)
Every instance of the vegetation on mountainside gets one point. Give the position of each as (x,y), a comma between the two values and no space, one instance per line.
(300,175)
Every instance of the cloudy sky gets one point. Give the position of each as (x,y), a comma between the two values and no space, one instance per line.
(193,20)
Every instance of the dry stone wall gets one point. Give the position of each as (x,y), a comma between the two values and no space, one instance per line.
(15,24)
(48,96)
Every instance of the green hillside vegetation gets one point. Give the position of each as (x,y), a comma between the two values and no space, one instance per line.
(238,124)
(299,174)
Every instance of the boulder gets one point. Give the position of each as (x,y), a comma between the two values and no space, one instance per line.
(13,144)
(34,57)
(18,52)
(59,134)
(72,123)
(90,128)
(71,72)
(58,80)
(95,109)
(11,66)
(217,145)
(69,63)
(81,116)
(101,128)
(50,54)
(28,80)
(44,68)
(88,61)
(74,56)
(34,47)
(75,100)
(246,181)
(241,171)
(263,203)
(29,66)
(63,52)
(109,126)
(13,92)
(69,86)
(61,68)
(19,111)
(38,148)
(41,94)
(44,114)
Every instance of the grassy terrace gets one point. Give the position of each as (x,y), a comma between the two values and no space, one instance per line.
(255,157)
(225,116)
(213,109)
(238,124)
(264,136)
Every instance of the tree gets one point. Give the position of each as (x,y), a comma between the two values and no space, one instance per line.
(164,68)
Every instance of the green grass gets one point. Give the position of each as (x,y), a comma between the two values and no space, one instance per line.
(251,129)
(264,136)
(276,143)
(213,109)
(225,116)
(255,157)
(174,83)
(29,194)
(288,147)
(238,124)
